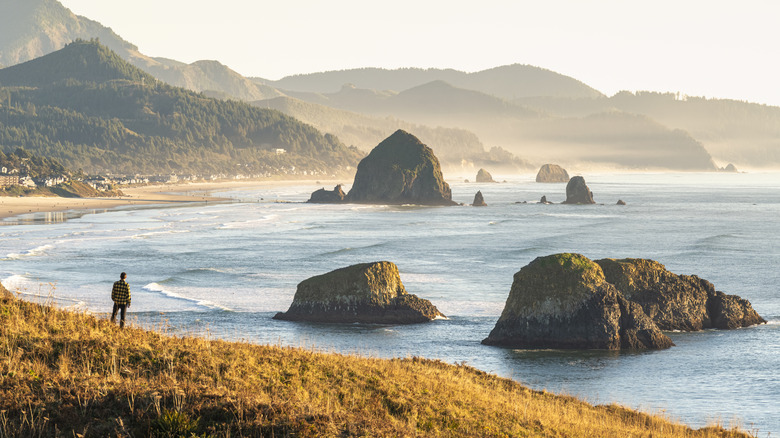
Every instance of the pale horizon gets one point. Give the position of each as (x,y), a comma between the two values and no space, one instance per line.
(697,48)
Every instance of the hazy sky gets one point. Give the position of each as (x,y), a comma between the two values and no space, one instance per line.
(712,48)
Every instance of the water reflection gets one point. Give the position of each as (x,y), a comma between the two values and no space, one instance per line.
(48,217)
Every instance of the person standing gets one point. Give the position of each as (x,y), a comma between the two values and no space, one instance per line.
(120,294)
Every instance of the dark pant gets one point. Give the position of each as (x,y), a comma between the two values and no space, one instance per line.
(123,308)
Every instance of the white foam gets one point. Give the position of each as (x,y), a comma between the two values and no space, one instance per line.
(37,251)
(249,223)
(157,288)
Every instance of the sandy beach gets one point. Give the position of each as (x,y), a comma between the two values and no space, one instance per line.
(144,195)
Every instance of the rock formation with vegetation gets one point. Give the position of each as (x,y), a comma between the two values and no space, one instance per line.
(483,176)
(577,192)
(552,173)
(400,170)
(569,301)
(366,293)
(564,301)
(677,302)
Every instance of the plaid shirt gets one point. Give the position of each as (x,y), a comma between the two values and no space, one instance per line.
(120,293)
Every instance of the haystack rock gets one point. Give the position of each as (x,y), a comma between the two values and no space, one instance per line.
(564,301)
(677,302)
(483,176)
(400,170)
(479,201)
(365,293)
(552,173)
(5,294)
(577,192)
(323,196)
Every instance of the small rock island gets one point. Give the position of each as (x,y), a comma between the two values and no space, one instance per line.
(569,301)
(399,170)
(483,176)
(577,192)
(552,173)
(364,293)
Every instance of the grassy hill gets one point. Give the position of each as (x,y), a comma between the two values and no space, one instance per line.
(91,110)
(71,374)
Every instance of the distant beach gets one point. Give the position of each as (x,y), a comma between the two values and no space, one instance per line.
(142,195)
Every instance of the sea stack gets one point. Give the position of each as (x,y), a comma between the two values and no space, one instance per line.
(677,302)
(577,192)
(400,170)
(363,293)
(323,196)
(564,301)
(483,176)
(552,173)
(479,201)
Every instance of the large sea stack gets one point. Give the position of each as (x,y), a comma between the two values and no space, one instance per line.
(678,302)
(577,192)
(552,173)
(400,170)
(564,301)
(365,293)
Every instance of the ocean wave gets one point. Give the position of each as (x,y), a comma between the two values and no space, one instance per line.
(155,233)
(350,249)
(248,223)
(159,289)
(37,251)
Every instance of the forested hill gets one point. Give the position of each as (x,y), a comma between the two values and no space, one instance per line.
(86,107)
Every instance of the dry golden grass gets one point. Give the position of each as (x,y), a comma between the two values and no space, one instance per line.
(71,374)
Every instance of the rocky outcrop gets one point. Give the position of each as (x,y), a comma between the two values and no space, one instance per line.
(364,293)
(620,202)
(483,176)
(552,173)
(323,196)
(544,200)
(479,201)
(729,168)
(564,301)
(577,192)
(677,302)
(5,294)
(400,170)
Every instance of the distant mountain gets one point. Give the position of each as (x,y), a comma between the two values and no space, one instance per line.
(454,147)
(507,82)
(610,139)
(32,28)
(746,134)
(86,107)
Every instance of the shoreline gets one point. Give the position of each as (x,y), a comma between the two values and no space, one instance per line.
(161,194)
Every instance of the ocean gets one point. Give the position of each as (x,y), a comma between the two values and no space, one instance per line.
(222,270)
